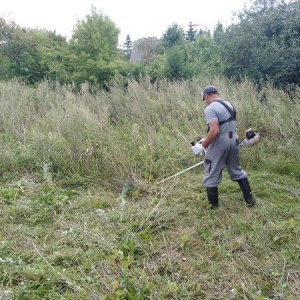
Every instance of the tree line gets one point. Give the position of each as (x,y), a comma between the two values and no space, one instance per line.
(263,45)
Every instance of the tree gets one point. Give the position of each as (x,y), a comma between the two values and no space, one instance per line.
(127,47)
(191,33)
(175,63)
(94,56)
(52,49)
(30,55)
(7,30)
(265,44)
(259,7)
(174,35)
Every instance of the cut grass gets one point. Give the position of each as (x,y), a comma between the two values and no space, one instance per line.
(158,242)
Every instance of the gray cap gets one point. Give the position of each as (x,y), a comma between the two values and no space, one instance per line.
(209,89)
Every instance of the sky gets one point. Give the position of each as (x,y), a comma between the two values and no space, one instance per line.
(138,18)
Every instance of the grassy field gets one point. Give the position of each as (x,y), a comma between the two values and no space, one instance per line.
(82,217)
(91,243)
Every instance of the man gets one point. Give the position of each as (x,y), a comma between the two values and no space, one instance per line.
(221,144)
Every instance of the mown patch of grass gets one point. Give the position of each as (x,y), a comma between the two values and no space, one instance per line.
(161,243)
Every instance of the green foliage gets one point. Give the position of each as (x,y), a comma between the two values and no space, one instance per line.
(184,60)
(174,35)
(30,55)
(127,47)
(264,44)
(96,31)
(191,33)
(93,54)
(202,57)
(175,63)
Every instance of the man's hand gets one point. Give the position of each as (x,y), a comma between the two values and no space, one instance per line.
(197,149)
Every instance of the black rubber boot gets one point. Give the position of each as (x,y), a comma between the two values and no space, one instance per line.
(247,194)
(213,197)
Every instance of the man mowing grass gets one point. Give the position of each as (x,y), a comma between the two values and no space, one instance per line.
(222,147)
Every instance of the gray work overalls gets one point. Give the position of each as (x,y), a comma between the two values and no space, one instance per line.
(223,152)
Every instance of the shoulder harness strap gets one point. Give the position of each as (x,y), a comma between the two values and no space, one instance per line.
(231,111)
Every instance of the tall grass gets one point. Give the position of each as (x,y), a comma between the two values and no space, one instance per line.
(126,238)
(143,130)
